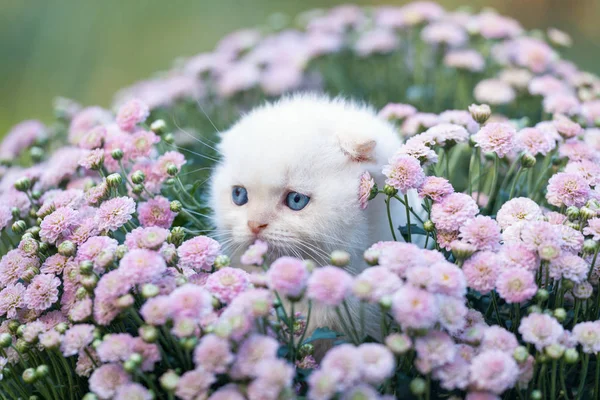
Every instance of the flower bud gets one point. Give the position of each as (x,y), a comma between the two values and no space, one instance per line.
(340,258)
(571,356)
(480,112)
(19,227)
(121,251)
(61,327)
(129,366)
(568,284)
(86,267)
(189,343)
(150,290)
(114,180)
(385,303)
(520,354)
(5,340)
(96,343)
(572,213)
(125,301)
(390,190)
(462,250)
(527,160)
(90,396)
(560,314)
(181,280)
(36,153)
(418,386)
(29,274)
(136,358)
(428,226)
(371,256)
(542,295)
(42,371)
(81,293)
(169,138)
(117,154)
(176,236)
(310,265)
(222,261)
(536,395)
(29,245)
(590,246)
(172,169)
(89,282)
(398,343)
(23,184)
(29,375)
(149,333)
(535,309)
(36,194)
(67,248)
(555,351)
(168,381)
(159,127)
(587,213)
(306,350)
(169,182)
(22,346)
(176,206)
(138,177)
(137,189)
(13,325)
(16,213)
(35,231)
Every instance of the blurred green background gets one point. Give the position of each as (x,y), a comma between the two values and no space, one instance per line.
(88,49)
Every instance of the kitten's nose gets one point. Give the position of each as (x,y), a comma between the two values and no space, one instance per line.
(256,227)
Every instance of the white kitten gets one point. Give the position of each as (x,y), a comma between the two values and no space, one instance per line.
(290,176)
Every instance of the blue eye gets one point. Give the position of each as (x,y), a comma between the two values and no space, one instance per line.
(296,201)
(239,195)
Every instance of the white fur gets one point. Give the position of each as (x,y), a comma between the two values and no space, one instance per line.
(312,145)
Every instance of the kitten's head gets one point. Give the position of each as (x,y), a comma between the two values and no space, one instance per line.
(290,172)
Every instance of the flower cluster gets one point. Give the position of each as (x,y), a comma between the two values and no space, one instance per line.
(113,286)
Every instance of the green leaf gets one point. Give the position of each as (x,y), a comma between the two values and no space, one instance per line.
(322,333)
(414,230)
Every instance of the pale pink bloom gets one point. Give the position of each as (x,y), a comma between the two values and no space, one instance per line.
(14,264)
(85,120)
(414,308)
(588,335)
(227,392)
(92,159)
(85,366)
(151,238)
(419,276)
(566,127)
(141,265)
(534,54)
(567,189)
(323,385)
(288,276)
(254,349)
(569,266)
(81,310)
(12,298)
(376,41)
(115,347)
(42,292)
(272,377)
(446,134)
(447,239)
(593,228)
(545,85)
(76,338)
(535,233)
(448,279)
(159,169)
(107,379)
(496,137)
(399,257)
(452,313)
(540,330)
(328,285)
(494,370)
(435,188)
(470,60)
(444,33)
(481,396)
(364,189)
(397,111)
(453,211)
(583,290)
(51,339)
(516,77)
(590,111)
(114,213)
(227,283)
(20,137)
(494,92)
(404,173)
(463,118)
(454,375)
(417,123)
(416,147)
(374,283)
(156,311)
(255,253)
(213,354)
(237,78)
(561,103)
(156,212)
(482,232)
(94,247)
(492,25)
(93,138)
(58,224)
(481,271)
(516,285)
(433,351)
(133,391)
(516,254)
(132,113)
(190,301)
(378,362)
(345,360)
(572,240)
(588,170)
(534,141)
(198,253)
(140,144)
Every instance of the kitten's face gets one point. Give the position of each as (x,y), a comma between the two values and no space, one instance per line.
(285,179)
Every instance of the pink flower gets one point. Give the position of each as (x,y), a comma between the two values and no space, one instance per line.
(151,238)
(190,301)
(374,283)
(227,283)
(156,311)
(76,338)
(536,233)
(213,354)
(446,134)
(436,188)
(288,276)
(42,292)
(12,299)
(254,349)
(561,103)
(397,111)
(94,247)
(364,189)
(399,257)
(481,271)
(227,392)
(493,92)
(520,209)
(593,228)
(114,213)
(404,173)
(140,266)
(496,137)
(255,253)
(482,232)
(132,113)
(494,370)
(198,253)
(518,255)
(21,136)
(168,158)
(414,308)
(345,360)
(194,384)
(566,127)
(448,279)
(323,385)
(328,285)
(534,141)
(5,216)
(272,377)
(93,138)
(588,170)
(454,375)
(470,60)
(569,266)
(418,148)
(453,211)
(444,32)
(115,347)
(81,310)
(380,41)
(540,330)
(452,313)
(588,335)
(378,362)
(14,264)
(433,351)
(107,379)
(92,159)
(133,391)
(567,189)
(156,212)
(59,223)
(516,285)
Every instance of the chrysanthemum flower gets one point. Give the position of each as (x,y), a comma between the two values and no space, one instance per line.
(107,379)
(198,253)
(569,266)
(433,350)
(414,308)
(328,285)
(496,137)
(255,253)
(156,212)
(374,283)
(57,224)
(540,330)
(132,113)
(453,211)
(377,362)
(404,173)
(227,283)
(398,257)
(481,271)
(435,188)
(114,213)
(213,354)
(76,338)
(567,189)
(345,360)
(593,228)
(12,298)
(288,276)
(133,391)
(494,370)
(482,232)
(42,292)
(364,189)
(516,285)
(588,335)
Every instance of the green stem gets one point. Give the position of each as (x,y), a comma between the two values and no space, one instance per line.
(553,380)
(563,383)
(347,309)
(471,167)
(514,184)
(496,310)
(306,325)
(67,371)
(597,378)
(583,375)
(493,188)
(407,208)
(389,215)
(347,331)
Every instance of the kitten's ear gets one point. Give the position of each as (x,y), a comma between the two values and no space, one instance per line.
(358,149)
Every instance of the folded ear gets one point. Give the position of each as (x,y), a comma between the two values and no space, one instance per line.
(358,149)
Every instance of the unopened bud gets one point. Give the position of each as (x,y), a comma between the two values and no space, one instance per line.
(81,293)
(428,226)
(19,227)
(137,189)
(555,351)
(89,282)
(61,327)
(176,236)
(536,395)
(150,290)
(129,366)
(534,309)
(222,261)
(23,184)
(136,358)
(121,251)
(398,343)
(149,333)
(36,194)
(42,371)
(587,213)
(527,160)
(117,154)
(306,350)
(571,356)
(86,267)
(168,381)
(176,206)
(480,112)
(90,396)
(114,180)
(385,303)
(16,213)
(22,346)
(125,301)
(542,295)
(29,375)
(560,314)
(67,248)
(573,213)
(169,138)
(159,127)
(390,190)
(418,386)
(189,343)
(36,153)
(172,169)
(340,258)
(371,256)
(138,177)
(29,274)
(5,340)
(520,354)
(590,246)
(462,250)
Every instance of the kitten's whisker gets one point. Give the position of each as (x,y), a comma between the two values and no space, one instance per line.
(207,117)
(194,137)
(196,170)
(193,152)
